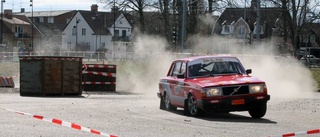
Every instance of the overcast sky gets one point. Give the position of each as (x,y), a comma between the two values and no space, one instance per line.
(48,5)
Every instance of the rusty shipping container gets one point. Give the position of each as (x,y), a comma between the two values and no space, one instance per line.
(50,75)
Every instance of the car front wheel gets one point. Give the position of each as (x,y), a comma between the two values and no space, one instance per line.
(191,108)
(258,111)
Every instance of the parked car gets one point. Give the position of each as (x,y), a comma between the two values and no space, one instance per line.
(311,59)
(212,84)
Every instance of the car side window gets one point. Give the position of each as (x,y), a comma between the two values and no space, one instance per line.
(183,68)
(176,69)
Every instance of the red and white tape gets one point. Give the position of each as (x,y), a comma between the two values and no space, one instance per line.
(12,76)
(314,131)
(100,73)
(62,123)
(98,83)
(100,66)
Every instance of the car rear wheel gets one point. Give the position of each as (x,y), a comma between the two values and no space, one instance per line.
(167,103)
(162,104)
(258,111)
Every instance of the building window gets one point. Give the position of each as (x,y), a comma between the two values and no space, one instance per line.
(241,30)
(124,33)
(83,31)
(41,19)
(69,45)
(226,28)
(50,20)
(74,31)
(19,29)
(120,22)
(116,33)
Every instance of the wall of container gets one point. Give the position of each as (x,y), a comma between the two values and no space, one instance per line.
(50,75)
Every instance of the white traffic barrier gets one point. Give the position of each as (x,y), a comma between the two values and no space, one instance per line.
(100,73)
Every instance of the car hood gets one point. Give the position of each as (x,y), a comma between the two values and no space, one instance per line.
(224,80)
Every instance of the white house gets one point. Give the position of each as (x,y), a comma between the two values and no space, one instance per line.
(93,30)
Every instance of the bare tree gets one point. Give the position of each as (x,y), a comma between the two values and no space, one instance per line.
(136,5)
(296,14)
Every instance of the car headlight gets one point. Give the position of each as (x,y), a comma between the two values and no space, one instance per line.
(213,92)
(256,88)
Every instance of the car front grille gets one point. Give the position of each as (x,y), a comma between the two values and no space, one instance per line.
(235,90)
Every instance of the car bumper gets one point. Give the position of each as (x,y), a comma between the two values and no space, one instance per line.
(227,104)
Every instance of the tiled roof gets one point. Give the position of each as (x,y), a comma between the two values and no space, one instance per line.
(97,20)
(16,21)
(268,17)
(43,13)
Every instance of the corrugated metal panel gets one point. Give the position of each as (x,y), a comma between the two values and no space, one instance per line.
(31,76)
(52,75)
(49,75)
(72,73)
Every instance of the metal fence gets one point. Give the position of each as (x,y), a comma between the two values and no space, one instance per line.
(119,56)
(94,56)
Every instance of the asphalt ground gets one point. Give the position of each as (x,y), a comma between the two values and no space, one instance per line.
(138,115)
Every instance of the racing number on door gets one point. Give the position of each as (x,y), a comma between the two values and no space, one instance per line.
(178,88)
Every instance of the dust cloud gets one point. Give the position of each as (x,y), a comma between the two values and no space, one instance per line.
(148,65)
(285,76)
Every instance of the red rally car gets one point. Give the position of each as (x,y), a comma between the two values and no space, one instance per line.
(212,84)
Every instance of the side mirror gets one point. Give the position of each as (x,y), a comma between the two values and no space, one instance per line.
(180,76)
(249,71)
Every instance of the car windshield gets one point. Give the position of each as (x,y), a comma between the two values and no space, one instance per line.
(215,67)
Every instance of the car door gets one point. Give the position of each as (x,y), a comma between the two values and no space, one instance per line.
(177,84)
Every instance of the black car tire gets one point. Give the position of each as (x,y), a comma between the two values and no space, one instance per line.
(162,104)
(167,103)
(258,111)
(190,107)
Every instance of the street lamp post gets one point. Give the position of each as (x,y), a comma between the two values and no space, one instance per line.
(31,24)
(76,30)
(114,27)
(1,38)
(183,30)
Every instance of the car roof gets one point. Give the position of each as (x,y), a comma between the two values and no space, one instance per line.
(207,56)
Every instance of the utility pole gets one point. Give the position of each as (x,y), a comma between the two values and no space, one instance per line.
(183,30)
(31,24)
(258,21)
(114,27)
(1,38)
(76,27)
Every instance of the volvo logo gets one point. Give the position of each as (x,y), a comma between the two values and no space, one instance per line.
(235,90)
